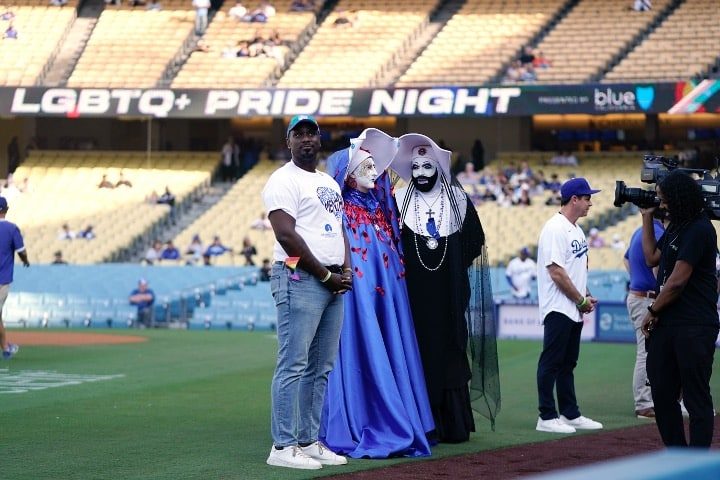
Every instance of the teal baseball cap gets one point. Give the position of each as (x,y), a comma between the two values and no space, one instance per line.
(298,119)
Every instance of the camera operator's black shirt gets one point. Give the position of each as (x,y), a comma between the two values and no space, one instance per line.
(696,244)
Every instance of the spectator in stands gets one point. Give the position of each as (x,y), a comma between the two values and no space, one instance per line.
(13,149)
(8,15)
(87,234)
(154,253)
(230,154)
(12,242)
(514,72)
(10,190)
(66,233)
(302,6)
(202,46)
(540,60)
(555,199)
(143,298)
(617,243)
(528,73)
(242,49)
(105,183)
(595,240)
(195,250)
(216,248)
(170,252)
(201,15)
(523,197)
(123,182)
(642,5)
(564,158)
(345,18)
(478,154)
(248,251)
(168,198)
(468,176)
(153,6)
(11,33)
(527,56)
(265,269)
(58,258)
(520,271)
(261,223)
(238,11)
(264,12)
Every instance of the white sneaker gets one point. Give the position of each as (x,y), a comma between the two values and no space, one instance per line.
(292,457)
(581,423)
(318,451)
(553,425)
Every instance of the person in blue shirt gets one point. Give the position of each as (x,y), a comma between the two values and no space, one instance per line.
(143,298)
(216,248)
(641,293)
(11,242)
(170,252)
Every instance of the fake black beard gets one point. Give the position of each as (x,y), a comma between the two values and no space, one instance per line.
(426,187)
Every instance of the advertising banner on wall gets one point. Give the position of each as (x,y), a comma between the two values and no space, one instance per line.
(521,321)
(614,323)
(525,100)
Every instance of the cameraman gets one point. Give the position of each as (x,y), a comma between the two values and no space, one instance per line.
(681,326)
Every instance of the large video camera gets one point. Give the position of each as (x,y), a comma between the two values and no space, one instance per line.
(655,168)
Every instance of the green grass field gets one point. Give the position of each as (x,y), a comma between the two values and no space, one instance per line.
(195,405)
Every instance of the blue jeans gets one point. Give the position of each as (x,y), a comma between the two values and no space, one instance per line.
(308,329)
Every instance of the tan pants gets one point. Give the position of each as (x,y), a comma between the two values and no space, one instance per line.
(637,307)
(4,290)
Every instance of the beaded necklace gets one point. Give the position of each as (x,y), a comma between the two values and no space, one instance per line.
(431,241)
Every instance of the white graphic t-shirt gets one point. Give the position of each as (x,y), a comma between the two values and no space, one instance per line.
(314,200)
(563,243)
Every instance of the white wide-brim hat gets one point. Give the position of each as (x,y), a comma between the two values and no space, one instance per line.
(414,145)
(372,143)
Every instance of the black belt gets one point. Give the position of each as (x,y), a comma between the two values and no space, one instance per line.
(331,268)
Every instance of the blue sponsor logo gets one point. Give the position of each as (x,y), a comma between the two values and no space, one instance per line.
(328,227)
(645,96)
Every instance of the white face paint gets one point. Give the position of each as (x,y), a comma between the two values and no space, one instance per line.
(425,168)
(365,175)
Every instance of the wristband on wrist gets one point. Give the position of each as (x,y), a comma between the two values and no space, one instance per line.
(327,277)
(651,310)
(582,303)
(347,269)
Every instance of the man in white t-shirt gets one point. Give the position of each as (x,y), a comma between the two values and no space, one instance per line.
(311,271)
(520,272)
(564,298)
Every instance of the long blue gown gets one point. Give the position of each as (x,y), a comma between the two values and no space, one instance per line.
(376,405)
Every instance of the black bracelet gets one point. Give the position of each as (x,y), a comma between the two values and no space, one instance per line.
(650,309)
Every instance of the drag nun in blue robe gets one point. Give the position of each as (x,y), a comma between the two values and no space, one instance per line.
(376,405)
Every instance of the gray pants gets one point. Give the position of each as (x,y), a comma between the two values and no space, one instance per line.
(637,308)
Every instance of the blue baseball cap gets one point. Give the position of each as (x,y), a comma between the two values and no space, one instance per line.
(3,203)
(576,186)
(298,119)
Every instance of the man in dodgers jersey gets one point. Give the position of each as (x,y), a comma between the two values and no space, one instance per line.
(311,271)
(564,298)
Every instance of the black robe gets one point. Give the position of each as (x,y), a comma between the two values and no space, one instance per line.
(439,301)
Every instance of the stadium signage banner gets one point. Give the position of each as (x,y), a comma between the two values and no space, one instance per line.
(681,97)
(521,321)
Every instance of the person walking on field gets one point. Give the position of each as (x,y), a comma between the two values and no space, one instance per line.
(11,242)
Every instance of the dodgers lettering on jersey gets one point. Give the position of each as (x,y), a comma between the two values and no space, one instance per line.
(579,248)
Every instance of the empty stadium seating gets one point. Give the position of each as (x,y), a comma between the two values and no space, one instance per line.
(477,41)
(41,29)
(584,41)
(356,56)
(67,182)
(132,47)
(685,44)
